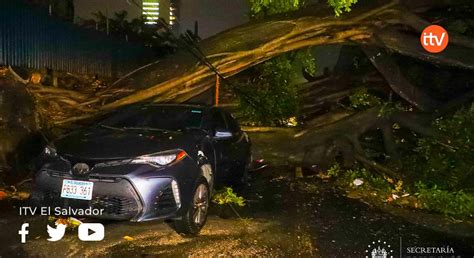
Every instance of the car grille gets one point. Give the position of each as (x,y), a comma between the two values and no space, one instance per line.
(120,206)
(58,173)
(92,178)
(165,202)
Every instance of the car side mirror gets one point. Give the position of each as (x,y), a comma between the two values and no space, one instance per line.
(221,134)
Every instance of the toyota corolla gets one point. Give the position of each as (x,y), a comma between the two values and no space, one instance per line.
(144,163)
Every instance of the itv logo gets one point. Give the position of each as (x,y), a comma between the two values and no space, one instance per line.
(434,38)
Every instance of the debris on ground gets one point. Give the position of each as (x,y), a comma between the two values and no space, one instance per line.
(70,222)
(299,172)
(358,182)
(12,193)
(3,195)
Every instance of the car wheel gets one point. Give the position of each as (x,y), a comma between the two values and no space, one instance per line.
(196,215)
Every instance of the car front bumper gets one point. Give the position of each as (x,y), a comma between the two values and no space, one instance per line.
(124,192)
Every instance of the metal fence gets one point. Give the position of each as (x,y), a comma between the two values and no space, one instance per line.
(30,38)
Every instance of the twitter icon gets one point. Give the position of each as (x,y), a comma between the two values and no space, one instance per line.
(56,234)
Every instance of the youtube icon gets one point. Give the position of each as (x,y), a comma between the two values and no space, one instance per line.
(91,232)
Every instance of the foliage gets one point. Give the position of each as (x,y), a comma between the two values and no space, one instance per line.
(70,222)
(390,107)
(261,8)
(387,109)
(334,170)
(341,6)
(134,30)
(444,163)
(372,179)
(275,99)
(447,160)
(227,196)
(349,175)
(308,61)
(451,203)
(273,89)
(362,99)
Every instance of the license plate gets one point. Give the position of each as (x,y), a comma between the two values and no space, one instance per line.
(74,189)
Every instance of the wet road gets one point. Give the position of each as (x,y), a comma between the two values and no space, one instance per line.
(285,217)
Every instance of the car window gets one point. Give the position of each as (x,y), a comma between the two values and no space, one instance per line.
(218,120)
(232,123)
(171,118)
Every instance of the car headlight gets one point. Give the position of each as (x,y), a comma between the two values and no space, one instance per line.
(50,151)
(160,159)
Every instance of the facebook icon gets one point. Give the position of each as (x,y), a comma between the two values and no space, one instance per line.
(23,232)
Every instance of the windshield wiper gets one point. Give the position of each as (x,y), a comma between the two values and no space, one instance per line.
(145,129)
(111,127)
(192,129)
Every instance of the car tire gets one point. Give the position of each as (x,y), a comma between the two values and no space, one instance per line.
(195,217)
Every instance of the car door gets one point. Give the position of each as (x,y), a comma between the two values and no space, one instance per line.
(238,144)
(221,145)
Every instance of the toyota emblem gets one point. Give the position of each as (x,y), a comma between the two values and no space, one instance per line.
(80,169)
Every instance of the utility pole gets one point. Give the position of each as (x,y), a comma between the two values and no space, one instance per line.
(196,29)
(216,92)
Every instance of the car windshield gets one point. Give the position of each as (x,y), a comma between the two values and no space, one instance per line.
(169,118)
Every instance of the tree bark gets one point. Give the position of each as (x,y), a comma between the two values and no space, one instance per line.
(397,81)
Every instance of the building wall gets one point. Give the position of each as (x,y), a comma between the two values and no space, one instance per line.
(166,10)
(152,10)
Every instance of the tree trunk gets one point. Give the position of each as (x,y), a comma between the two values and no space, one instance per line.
(181,76)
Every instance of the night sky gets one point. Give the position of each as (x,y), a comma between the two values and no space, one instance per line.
(213,16)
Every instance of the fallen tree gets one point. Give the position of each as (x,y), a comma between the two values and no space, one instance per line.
(388,25)
(381,28)
(319,145)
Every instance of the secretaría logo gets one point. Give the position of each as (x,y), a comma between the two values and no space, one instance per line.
(434,38)
(379,249)
(437,250)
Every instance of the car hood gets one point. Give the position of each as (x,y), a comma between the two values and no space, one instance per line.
(103,144)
